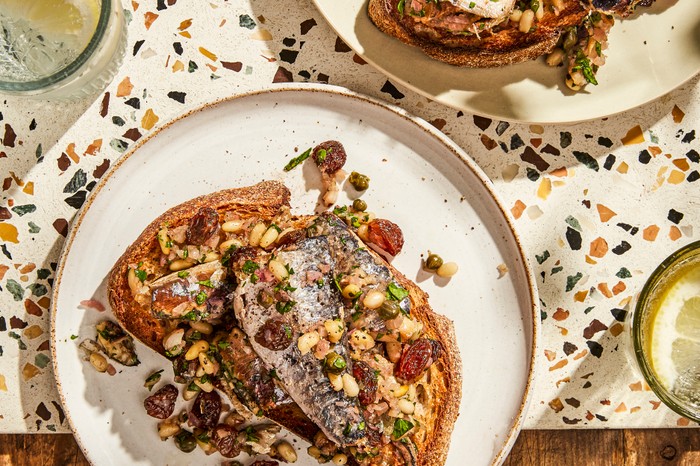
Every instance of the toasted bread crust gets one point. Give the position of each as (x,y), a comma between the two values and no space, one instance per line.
(264,201)
(502,47)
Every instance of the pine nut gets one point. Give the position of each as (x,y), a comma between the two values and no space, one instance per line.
(211,256)
(180,264)
(232,226)
(448,269)
(556,57)
(287,452)
(373,299)
(351,291)
(269,237)
(204,328)
(98,362)
(400,391)
(539,14)
(307,341)
(350,385)
(197,347)
(278,269)
(516,15)
(188,395)
(223,247)
(256,234)
(164,241)
(526,21)
(336,381)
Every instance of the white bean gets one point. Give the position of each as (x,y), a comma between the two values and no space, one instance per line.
(269,237)
(406,406)
(335,329)
(98,362)
(278,269)
(256,234)
(232,226)
(526,21)
(287,452)
(350,385)
(307,341)
(197,347)
(374,299)
(448,269)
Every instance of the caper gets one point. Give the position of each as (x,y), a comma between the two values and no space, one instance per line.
(265,299)
(389,309)
(433,262)
(334,363)
(359,205)
(185,441)
(359,181)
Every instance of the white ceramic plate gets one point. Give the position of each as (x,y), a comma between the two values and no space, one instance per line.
(650,54)
(419,179)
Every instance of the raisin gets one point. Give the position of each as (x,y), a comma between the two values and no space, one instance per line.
(386,235)
(367,380)
(414,360)
(205,411)
(265,463)
(329,156)
(162,403)
(202,226)
(275,334)
(225,439)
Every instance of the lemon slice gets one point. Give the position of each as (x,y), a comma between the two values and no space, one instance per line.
(688,320)
(72,21)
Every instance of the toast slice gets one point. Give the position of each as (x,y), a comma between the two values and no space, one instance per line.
(499,44)
(144,291)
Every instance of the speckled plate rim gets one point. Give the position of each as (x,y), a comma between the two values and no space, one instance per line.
(532,92)
(460,155)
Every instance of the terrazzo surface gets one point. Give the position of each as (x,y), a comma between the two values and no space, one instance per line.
(598,204)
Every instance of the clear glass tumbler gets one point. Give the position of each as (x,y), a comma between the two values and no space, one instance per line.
(58,49)
(666,331)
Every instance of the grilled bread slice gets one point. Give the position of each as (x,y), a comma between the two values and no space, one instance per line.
(458,38)
(145,293)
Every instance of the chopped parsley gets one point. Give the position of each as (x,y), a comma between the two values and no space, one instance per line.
(200,298)
(223,345)
(74,337)
(250,267)
(287,330)
(284,306)
(183,274)
(251,434)
(320,282)
(152,379)
(583,64)
(321,156)
(206,283)
(140,274)
(401,6)
(297,160)
(192,315)
(401,426)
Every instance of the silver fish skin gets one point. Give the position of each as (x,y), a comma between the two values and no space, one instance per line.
(315,301)
(352,256)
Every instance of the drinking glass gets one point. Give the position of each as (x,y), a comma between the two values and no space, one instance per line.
(666,331)
(58,49)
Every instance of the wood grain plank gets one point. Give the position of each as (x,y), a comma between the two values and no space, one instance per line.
(644,447)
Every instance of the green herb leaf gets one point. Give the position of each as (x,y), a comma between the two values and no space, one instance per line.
(200,298)
(250,267)
(183,274)
(395,293)
(206,283)
(284,306)
(297,160)
(401,426)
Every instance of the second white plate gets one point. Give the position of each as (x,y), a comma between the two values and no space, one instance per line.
(649,54)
